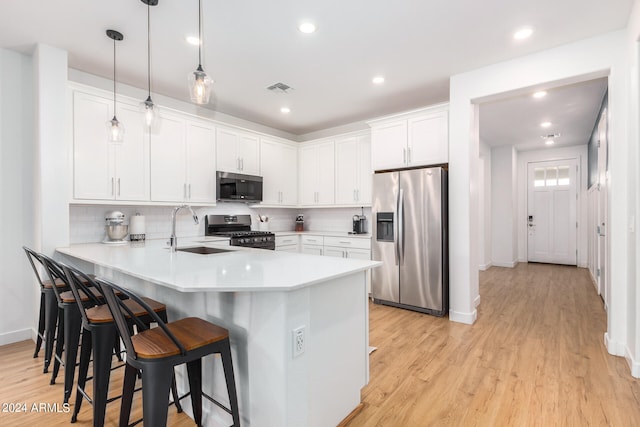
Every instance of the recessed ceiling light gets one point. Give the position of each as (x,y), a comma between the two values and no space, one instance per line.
(378,80)
(549,142)
(540,94)
(285,110)
(523,33)
(307,27)
(545,124)
(193,40)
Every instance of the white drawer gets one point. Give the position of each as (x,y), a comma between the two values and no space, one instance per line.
(286,240)
(348,242)
(311,239)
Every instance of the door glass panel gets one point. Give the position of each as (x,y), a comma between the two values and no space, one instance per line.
(538,177)
(552,177)
(563,175)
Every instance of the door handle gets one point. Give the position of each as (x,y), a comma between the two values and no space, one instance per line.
(404,155)
(401,227)
(113,186)
(118,186)
(189,191)
(409,155)
(184,190)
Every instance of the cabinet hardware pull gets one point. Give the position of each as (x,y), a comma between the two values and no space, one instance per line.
(241,164)
(404,155)
(118,186)
(113,186)
(345,242)
(184,190)
(409,155)
(189,191)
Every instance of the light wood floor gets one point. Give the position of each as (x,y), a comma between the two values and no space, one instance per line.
(534,357)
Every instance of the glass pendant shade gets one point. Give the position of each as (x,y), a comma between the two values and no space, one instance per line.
(199,86)
(150,114)
(115,130)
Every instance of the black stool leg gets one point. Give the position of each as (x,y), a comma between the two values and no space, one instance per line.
(41,323)
(128,387)
(72,327)
(194,369)
(231,382)
(103,337)
(59,348)
(51,313)
(85,357)
(174,391)
(156,382)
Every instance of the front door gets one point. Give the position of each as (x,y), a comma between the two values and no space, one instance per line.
(551,217)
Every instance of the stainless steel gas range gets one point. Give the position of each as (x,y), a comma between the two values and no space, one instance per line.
(238,229)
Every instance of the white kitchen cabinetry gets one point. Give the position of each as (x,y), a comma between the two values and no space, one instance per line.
(347,247)
(279,167)
(182,160)
(312,244)
(287,243)
(104,170)
(237,151)
(317,174)
(353,171)
(419,138)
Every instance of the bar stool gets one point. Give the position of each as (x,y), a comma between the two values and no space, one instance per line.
(70,324)
(99,332)
(157,351)
(48,313)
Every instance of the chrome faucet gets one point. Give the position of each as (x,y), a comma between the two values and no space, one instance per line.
(173,240)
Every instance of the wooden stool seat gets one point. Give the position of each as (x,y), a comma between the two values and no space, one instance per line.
(101,313)
(68,297)
(59,284)
(192,332)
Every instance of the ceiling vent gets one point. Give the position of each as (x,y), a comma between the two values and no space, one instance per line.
(280,88)
(551,135)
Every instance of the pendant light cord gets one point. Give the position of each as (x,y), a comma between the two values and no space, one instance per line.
(114,78)
(200,33)
(149,47)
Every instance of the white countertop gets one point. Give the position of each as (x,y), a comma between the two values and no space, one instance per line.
(239,270)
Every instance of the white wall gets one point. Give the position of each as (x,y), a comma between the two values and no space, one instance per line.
(525,157)
(504,238)
(18,286)
(565,64)
(484,207)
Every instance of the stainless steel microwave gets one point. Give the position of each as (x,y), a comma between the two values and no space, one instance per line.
(235,187)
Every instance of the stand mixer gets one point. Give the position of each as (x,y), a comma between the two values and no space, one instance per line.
(115,227)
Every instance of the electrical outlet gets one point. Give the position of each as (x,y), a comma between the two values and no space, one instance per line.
(299,340)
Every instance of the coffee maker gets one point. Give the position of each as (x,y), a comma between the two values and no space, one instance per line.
(359,224)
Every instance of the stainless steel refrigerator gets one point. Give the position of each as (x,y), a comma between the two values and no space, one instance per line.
(410,238)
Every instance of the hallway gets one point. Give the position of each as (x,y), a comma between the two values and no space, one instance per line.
(534,357)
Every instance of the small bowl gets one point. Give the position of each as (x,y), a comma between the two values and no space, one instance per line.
(117,232)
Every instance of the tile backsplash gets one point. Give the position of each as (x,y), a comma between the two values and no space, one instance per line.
(86,223)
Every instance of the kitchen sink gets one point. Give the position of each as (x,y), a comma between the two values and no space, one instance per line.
(204,250)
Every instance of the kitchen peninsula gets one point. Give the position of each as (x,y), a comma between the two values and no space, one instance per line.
(263,298)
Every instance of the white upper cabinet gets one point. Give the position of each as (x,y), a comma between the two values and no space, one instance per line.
(279,167)
(419,138)
(237,151)
(317,174)
(182,160)
(104,170)
(353,171)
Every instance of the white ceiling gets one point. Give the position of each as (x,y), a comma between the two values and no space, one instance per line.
(572,111)
(251,44)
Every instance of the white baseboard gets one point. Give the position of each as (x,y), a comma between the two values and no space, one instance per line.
(15,336)
(613,347)
(633,364)
(484,267)
(476,301)
(508,264)
(467,318)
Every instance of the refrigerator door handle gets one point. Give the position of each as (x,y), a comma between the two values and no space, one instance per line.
(400,239)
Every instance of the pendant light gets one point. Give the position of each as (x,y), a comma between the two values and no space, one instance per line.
(115,129)
(199,82)
(149,110)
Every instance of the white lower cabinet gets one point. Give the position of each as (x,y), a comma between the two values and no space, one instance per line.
(312,244)
(287,243)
